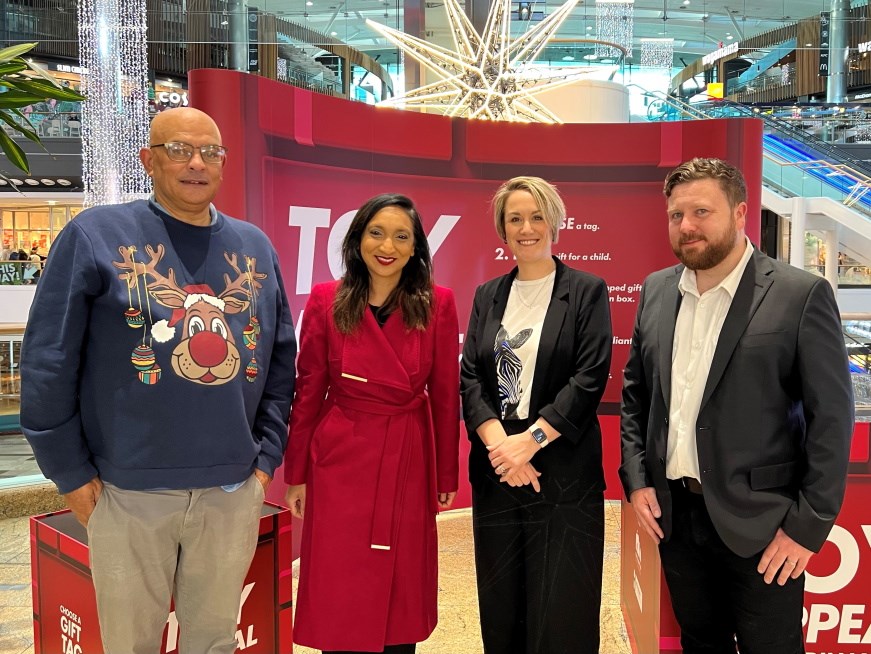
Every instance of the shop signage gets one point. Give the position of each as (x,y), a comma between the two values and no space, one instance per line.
(65,68)
(173,99)
(710,58)
(253,51)
(864,47)
(10,273)
(824,43)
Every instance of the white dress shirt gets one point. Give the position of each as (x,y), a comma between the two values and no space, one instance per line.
(696,333)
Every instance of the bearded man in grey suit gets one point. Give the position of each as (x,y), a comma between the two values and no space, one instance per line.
(736,421)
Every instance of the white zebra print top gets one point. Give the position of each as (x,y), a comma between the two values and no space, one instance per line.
(516,346)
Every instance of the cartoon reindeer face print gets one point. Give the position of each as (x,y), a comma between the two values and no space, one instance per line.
(207,353)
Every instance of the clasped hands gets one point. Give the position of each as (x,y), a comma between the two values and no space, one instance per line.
(511,460)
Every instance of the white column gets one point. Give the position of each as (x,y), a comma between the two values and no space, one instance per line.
(798,220)
(238,32)
(832,246)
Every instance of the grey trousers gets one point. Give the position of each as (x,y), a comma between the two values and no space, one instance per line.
(191,545)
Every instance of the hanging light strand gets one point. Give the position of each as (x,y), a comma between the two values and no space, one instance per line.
(657,53)
(614,22)
(115,123)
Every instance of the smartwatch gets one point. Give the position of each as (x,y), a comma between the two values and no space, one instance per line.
(538,435)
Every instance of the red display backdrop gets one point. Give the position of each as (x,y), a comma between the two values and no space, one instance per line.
(300,164)
(837,615)
(65,610)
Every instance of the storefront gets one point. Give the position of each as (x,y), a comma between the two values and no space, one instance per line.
(25,225)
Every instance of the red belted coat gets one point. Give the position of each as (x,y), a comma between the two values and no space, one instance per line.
(374,436)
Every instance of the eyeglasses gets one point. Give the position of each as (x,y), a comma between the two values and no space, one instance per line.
(178,151)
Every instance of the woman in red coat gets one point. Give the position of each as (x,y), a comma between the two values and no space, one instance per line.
(374,437)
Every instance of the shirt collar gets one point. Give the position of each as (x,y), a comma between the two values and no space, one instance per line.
(687,282)
(213,213)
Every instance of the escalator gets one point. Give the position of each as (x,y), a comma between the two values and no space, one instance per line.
(836,188)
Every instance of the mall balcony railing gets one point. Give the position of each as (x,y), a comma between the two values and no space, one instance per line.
(50,124)
(793,128)
(10,379)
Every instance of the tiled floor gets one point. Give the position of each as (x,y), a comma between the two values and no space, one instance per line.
(16,613)
(16,457)
(457,632)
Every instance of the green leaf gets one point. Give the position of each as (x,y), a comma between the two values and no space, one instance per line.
(44,90)
(28,132)
(12,150)
(11,67)
(44,74)
(16,99)
(14,51)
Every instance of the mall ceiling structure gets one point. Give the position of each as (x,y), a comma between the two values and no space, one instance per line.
(698,27)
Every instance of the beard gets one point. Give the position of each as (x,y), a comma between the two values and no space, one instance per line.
(715,251)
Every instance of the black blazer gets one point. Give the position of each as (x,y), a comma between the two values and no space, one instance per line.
(776,418)
(571,370)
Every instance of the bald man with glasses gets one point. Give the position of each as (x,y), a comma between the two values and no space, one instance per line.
(157,375)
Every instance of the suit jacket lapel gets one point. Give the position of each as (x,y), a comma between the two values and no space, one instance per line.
(753,286)
(493,318)
(668,318)
(550,333)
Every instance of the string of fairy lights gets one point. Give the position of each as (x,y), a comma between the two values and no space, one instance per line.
(112,46)
(614,24)
(657,53)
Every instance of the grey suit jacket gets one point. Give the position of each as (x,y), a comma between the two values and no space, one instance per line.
(776,417)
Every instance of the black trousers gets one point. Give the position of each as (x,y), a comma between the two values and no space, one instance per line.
(539,570)
(718,596)
(388,649)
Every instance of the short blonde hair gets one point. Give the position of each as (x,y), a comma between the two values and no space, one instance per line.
(730,178)
(545,195)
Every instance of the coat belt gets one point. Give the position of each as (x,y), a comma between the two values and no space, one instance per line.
(396,450)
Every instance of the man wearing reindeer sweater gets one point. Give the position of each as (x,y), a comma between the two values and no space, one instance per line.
(157,375)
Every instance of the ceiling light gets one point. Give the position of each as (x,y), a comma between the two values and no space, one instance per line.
(225,22)
(590,57)
(334,33)
(589,28)
(64,182)
(309,3)
(51,203)
(729,37)
(568,58)
(686,2)
(47,182)
(17,182)
(808,45)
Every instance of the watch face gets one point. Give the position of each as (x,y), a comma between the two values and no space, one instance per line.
(538,435)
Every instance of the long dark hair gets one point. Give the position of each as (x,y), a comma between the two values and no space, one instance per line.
(414,292)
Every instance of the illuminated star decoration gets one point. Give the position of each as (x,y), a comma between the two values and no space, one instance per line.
(488,77)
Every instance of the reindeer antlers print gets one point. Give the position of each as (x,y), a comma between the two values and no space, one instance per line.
(207,352)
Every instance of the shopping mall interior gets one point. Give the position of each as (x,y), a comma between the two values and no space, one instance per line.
(307,86)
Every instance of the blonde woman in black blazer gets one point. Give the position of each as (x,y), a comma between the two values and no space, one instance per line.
(535,364)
